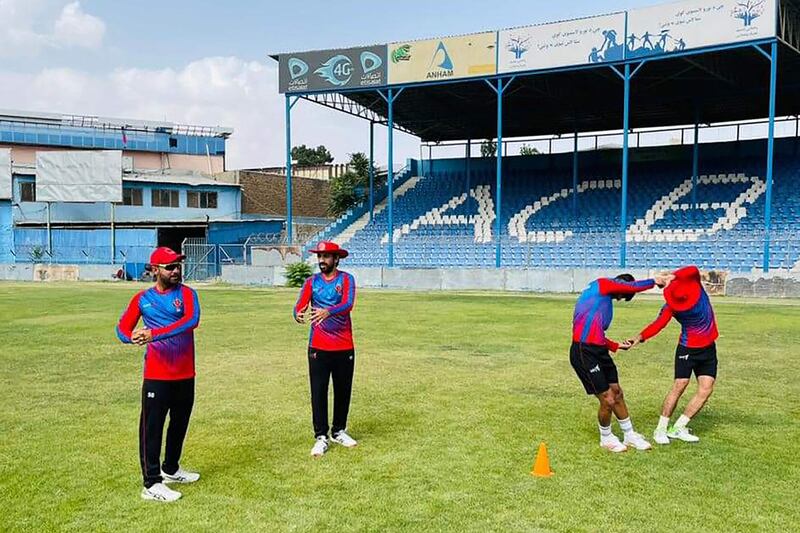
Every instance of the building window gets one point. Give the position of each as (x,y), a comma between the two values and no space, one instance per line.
(131,196)
(173,142)
(165,198)
(27,191)
(202,200)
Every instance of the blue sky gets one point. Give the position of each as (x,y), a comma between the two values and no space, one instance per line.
(206,61)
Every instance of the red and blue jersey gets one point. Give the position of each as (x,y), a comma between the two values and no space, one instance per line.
(171,316)
(698,324)
(337,295)
(594,310)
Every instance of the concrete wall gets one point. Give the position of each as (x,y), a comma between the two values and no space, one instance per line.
(41,272)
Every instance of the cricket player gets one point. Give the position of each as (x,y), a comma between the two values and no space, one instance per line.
(590,358)
(170,311)
(688,303)
(325,301)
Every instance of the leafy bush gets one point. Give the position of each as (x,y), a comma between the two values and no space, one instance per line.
(297,273)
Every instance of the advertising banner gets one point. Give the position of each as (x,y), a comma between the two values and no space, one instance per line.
(697,23)
(332,69)
(441,59)
(573,42)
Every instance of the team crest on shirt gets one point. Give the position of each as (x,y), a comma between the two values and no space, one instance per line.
(339,289)
(178,304)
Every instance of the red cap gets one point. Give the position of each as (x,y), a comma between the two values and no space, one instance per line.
(683,293)
(328,247)
(165,256)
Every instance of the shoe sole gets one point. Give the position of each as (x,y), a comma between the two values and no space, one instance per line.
(612,450)
(640,449)
(684,440)
(169,480)
(150,498)
(345,445)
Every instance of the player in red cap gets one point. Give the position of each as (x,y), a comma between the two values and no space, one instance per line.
(325,301)
(170,311)
(688,303)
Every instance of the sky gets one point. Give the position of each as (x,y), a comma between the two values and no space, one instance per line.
(206,62)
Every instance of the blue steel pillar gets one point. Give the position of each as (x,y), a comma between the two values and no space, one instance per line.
(773,76)
(575,175)
(695,165)
(625,124)
(499,154)
(371,170)
(467,164)
(289,105)
(390,96)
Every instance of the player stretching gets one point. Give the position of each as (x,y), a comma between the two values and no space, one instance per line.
(326,300)
(689,304)
(589,354)
(171,312)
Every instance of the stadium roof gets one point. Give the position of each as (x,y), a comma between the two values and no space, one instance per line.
(91,121)
(723,83)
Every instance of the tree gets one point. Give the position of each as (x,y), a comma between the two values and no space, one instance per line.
(488,148)
(310,157)
(348,189)
(528,150)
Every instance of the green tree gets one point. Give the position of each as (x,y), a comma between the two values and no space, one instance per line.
(350,188)
(305,156)
(528,150)
(488,148)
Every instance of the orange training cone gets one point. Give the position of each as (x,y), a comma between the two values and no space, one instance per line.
(541,468)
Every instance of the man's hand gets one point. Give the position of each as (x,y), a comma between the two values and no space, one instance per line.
(318,315)
(142,336)
(625,345)
(662,280)
(634,341)
(300,317)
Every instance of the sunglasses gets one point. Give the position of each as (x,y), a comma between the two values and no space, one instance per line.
(170,267)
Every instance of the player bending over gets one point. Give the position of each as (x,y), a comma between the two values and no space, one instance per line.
(589,354)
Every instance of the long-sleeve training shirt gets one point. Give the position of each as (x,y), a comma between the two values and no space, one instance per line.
(595,310)
(698,324)
(171,317)
(337,295)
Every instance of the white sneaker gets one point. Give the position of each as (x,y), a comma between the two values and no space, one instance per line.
(180,476)
(636,440)
(345,440)
(682,434)
(320,446)
(613,444)
(160,493)
(660,436)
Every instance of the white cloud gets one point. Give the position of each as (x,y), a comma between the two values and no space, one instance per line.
(225,91)
(29,27)
(74,27)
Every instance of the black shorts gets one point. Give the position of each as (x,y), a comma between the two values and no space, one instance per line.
(594,367)
(703,361)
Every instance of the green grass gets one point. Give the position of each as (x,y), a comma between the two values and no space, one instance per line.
(453,393)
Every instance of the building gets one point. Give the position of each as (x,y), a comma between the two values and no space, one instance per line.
(172,188)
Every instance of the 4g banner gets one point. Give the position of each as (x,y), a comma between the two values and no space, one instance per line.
(332,69)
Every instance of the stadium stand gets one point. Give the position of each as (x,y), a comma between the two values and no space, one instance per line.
(438,223)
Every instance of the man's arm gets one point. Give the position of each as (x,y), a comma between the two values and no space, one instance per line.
(302,301)
(348,297)
(612,286)
(129,319)
(664,316)
(189,320)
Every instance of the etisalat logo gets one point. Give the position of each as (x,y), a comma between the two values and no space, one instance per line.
(338,70)
(297,71)
(444,65)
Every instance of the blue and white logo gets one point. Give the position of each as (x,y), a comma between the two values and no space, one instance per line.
(337,70)
(370,61)
(297,68)
(441,58)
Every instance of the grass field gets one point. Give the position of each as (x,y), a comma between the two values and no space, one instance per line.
(453,393)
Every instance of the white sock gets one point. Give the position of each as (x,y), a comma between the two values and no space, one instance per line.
(663,422)
(626,425)
(605,431)
(682,421)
